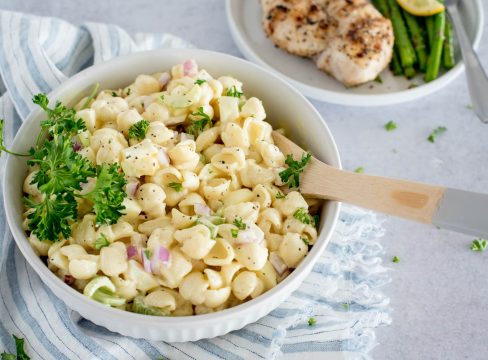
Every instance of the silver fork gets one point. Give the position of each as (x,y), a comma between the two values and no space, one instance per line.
(476,76)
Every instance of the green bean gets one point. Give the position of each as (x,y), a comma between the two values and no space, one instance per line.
(435,56)
(402,39)
(448,54)
(417,37)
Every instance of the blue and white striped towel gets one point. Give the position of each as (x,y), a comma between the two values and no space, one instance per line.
(37,54)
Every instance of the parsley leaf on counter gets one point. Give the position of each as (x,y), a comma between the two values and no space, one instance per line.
(436,132)
(359,170)
(139,130)
(395,259)
(19,347)
(311,321)
(390,126)
(291,175)
(479,245)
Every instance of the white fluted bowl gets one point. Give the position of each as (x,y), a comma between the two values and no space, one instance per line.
(285,107)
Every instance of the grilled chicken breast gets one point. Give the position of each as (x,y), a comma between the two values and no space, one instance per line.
(350,39)
(297,26)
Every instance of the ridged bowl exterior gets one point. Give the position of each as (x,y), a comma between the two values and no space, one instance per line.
(285,107)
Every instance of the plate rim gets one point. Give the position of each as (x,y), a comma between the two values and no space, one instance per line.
(352,99)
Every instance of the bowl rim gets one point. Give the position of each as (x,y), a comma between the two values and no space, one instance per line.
(353,99)
(64,290)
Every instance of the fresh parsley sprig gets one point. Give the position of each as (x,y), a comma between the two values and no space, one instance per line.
(19,347)
(198,126)
(108,194)
(2,146)
(59,176)
(138,130)
(291,175)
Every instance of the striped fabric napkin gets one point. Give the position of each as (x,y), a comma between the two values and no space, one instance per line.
(37,54)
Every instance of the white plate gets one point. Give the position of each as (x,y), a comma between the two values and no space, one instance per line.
(244,17)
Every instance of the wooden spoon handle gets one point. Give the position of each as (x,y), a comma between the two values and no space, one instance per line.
(401,198)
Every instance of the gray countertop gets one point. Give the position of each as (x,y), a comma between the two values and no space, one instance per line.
(438,291)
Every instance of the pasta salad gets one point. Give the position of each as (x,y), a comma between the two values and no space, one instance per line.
(165,197)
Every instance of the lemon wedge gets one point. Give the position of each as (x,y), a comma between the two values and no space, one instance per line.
(421,7)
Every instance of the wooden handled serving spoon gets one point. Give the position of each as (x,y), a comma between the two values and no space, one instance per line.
(458,210)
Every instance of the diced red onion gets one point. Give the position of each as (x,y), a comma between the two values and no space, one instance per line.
(131,251)
(163,254)
(163,80)
(76,146)
(190,68)
(68,279)
(131,188)
(163,157)
(253,234)
(278,263)
(146,263)
(202,209)
(160,255)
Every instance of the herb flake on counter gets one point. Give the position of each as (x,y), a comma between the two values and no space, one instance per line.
(176,186)
(345,306)
(312,321)
(479,245)
(378,79)
(359,170)
(390,125)
(395,259)
(139,130)
(291,175)
(436,132)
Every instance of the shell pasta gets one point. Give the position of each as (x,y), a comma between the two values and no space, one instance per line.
(205,221)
